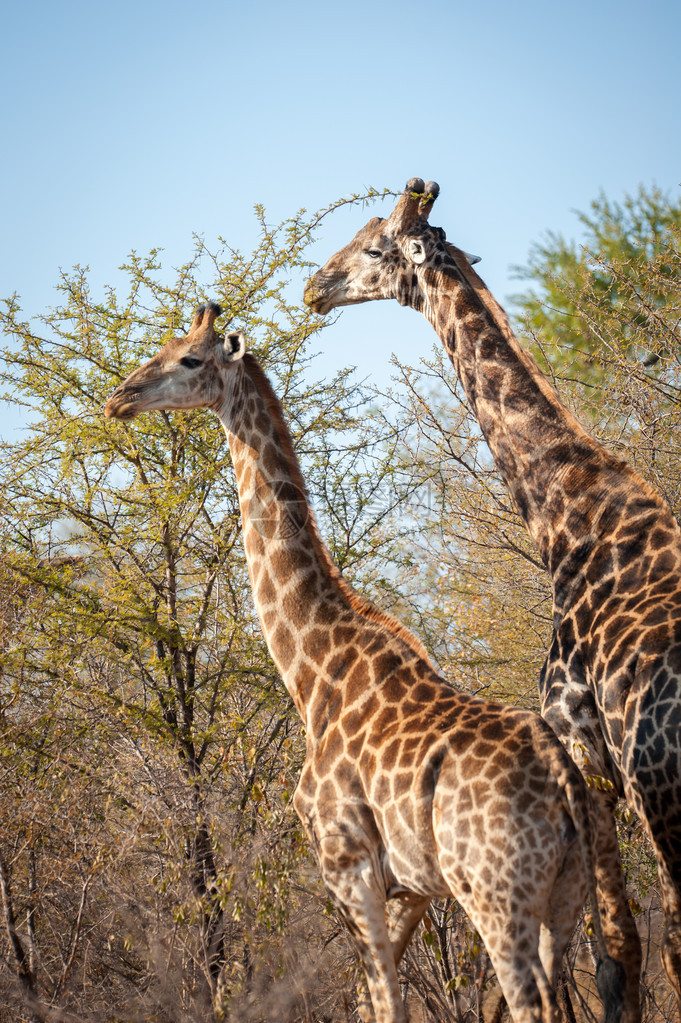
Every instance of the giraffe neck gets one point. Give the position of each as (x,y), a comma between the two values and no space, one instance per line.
(299,593)
(571,492)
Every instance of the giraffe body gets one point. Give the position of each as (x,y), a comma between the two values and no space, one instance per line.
(410,789)
(611,683)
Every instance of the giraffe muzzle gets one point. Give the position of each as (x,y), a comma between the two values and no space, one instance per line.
(120,406)
(314,300)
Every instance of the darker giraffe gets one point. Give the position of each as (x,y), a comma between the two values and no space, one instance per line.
(410,789)
(611,684)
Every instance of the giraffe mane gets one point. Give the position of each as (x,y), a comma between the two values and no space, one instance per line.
(358,603)
(501,319)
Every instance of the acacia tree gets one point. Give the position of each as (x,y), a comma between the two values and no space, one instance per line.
(138,697)
(621,242)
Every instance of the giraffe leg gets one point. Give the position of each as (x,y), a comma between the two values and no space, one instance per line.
(565,903)
(580,731)
(509,924)
(671,948)
(521,976)
(619,928)
(363,911)
(670,892)
(653,793)
(403,913)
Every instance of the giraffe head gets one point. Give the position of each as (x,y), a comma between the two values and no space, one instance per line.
(188,372)
(382,259)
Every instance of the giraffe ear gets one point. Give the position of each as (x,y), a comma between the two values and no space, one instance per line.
(415,251)
(234,346)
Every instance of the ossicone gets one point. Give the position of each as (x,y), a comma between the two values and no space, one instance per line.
(416,201)
(431,190)
(205,317)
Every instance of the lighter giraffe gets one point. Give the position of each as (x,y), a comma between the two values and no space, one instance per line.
(410,789)
(611,684)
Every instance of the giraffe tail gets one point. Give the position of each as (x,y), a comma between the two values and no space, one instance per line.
(610,975)
(611,982)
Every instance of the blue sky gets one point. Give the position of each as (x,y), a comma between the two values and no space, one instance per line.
(133,124)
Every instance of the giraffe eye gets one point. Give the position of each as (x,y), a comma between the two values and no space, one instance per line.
(190,362)
(374,253)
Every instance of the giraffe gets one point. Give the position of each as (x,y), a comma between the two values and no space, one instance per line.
(410,789)
(611,683)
